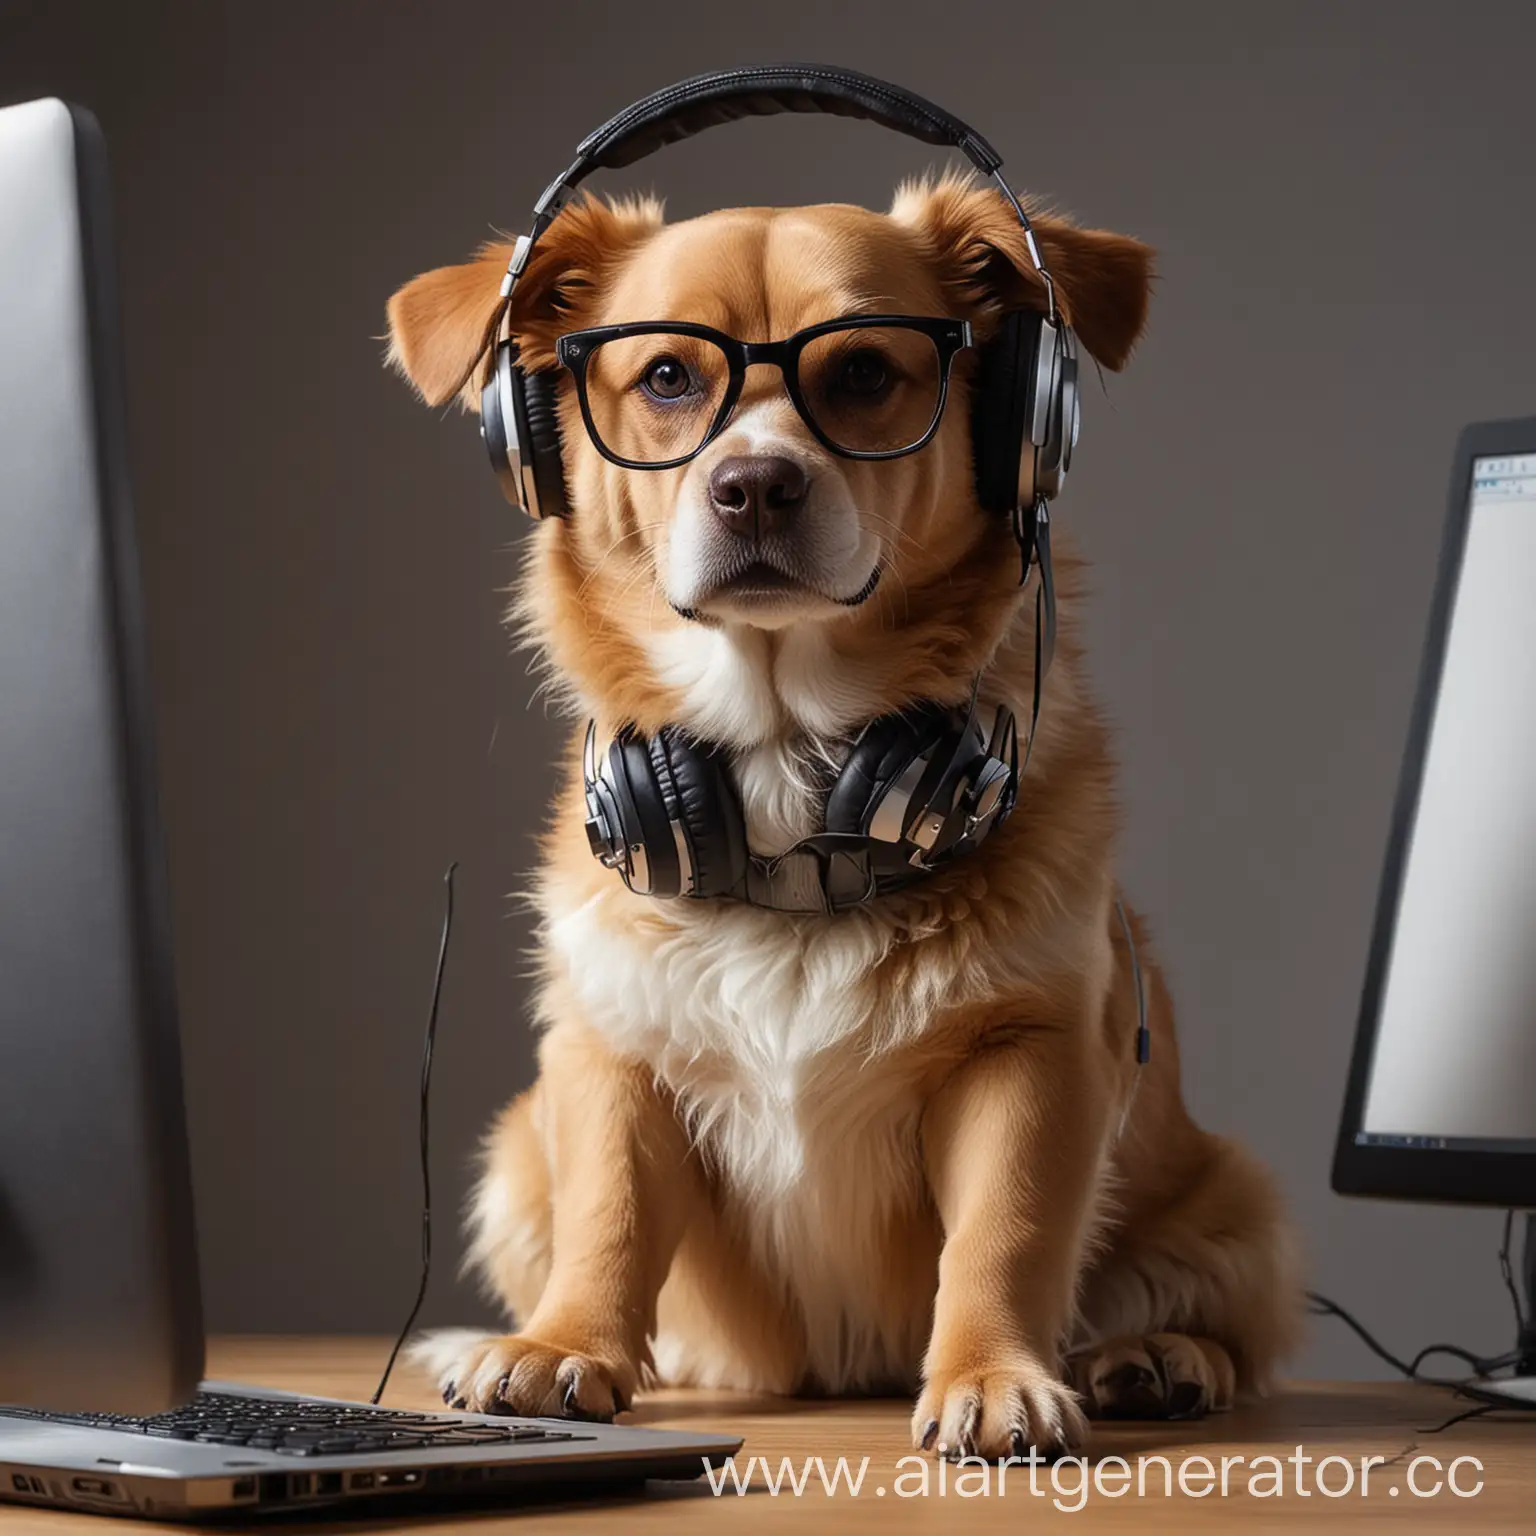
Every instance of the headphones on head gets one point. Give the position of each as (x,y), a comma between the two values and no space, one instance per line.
(1025,410)
(921,786)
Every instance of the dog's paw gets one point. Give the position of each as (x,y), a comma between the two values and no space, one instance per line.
(1001,1409)
(516,1374)
(1159,1376)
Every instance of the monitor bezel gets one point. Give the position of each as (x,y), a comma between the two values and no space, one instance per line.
(1475,1177)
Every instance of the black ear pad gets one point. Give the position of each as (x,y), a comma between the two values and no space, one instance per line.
(1000,404)
(539,432)
(700,797)
(885,750)
(643,810)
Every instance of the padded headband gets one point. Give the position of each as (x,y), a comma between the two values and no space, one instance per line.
(689,107)
(682,110)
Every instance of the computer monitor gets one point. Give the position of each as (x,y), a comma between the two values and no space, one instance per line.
(1441,1101)
(99,1303)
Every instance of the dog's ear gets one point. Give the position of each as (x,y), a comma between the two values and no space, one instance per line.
(438,322)
(1103,280)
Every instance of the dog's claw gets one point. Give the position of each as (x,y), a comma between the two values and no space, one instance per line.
(460,1403)
(930,1434)
(568,1405)
(968,1426)
(449,1390)
(1016,1443)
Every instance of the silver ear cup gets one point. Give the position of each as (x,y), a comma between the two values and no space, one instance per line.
(954,792)
(605,823)
(499,426)
(1071,402)
(1043,393)
(1044,381)
(1056,456)
(1077,404)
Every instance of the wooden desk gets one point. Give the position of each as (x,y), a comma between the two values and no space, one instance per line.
(1326,1419)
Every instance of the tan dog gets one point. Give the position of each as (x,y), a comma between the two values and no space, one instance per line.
(904,1148)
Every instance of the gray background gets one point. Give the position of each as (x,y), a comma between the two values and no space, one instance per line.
(1342,199)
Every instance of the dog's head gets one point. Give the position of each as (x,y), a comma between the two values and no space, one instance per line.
(768,527)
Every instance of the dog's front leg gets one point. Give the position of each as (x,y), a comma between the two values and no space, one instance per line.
(1011,1146)
(621,1177)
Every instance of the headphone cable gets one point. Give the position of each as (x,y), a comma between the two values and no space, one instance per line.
(425,1127)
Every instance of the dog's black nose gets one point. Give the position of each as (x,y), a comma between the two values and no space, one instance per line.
(757,495)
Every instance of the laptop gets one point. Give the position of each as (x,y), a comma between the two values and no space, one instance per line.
(101,1341)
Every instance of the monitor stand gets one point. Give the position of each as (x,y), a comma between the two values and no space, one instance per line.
(1503,1391)
(1519,1390)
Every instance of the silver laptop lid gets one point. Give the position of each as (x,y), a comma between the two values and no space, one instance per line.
(99,1304)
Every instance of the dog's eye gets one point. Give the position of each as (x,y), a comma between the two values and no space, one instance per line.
(863,374)
(666,379)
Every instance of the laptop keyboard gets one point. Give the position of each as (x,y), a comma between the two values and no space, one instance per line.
(295,1427)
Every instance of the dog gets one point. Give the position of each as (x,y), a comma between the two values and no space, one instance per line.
(902,1148)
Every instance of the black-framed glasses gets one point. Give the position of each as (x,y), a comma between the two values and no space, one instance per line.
(654,393)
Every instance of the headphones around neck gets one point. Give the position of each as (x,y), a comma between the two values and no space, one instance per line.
(919,787)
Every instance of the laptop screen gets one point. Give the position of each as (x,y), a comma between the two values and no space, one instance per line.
(1454,1064)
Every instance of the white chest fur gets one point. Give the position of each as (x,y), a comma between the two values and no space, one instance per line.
(769,1032)
(758,1022)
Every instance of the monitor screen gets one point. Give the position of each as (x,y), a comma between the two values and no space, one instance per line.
(1453,1066)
